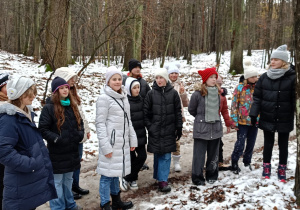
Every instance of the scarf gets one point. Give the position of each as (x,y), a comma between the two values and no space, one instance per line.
(65,102)
(212,105)
(276,73)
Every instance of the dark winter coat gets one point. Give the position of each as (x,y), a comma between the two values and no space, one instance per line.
(144,85)
(274,100)
(202,129)
(137,118)
(28,176)
(162,114)
(63,146)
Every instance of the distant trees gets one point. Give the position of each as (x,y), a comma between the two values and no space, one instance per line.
(153,29)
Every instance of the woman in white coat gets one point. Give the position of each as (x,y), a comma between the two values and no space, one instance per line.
(116,138)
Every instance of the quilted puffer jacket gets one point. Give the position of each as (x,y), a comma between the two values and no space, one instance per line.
(115,133)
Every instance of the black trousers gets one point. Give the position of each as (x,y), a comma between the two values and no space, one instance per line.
(201,147)
(138,158)
(221,151)
(1,184)
(283,141)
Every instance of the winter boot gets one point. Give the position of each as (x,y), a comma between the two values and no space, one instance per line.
(267,170)
(123,184)
(235,167)
(176,163)
(281,173)
(164,187)
(117,203)
(248,165)
(106,206)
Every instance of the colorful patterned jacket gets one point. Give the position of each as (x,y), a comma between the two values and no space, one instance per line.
(241,103)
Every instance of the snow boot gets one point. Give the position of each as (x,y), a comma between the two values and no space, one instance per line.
(106,206)
(281,173)
(266,170)
(117,203)
(164,187)
(176,163)
(235,167)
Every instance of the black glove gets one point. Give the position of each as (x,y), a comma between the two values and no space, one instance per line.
(253,120)
(178,133)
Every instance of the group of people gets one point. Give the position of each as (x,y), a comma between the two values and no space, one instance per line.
(130,116)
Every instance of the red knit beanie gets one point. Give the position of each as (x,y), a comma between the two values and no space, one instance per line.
(206,73)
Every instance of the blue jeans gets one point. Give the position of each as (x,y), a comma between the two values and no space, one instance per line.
(63,186)
(245,132)
(108,185)
(161,166)
(77,172)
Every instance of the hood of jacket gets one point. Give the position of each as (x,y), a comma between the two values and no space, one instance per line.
(10,109)
(109,91)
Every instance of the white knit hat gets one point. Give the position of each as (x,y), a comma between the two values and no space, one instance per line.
(17,85)
(173,68)
(65,73)
(130,83)
(163,73)
(110,72)
(281,53)
(249,70)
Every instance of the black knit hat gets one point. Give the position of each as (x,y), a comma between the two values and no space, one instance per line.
(58,82)
(134,63)
(3,79)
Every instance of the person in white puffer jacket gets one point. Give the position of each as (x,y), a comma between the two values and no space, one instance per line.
(116,138)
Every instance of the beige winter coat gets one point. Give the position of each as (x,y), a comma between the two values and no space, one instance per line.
(184,100)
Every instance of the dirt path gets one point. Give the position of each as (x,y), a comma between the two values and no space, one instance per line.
(147,188)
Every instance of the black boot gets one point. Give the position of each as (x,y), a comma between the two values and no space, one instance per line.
(106,206)
(76,196)
(118,204)
(79,190)
(235,168)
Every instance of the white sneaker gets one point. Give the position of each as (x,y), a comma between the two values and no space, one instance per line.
(133,185)
(123,184)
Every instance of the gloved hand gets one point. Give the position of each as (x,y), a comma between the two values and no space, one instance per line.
(178,133)
(253,120)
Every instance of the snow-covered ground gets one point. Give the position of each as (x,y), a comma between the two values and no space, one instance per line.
(244,191)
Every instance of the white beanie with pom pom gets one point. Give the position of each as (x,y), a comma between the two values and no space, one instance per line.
(249,70)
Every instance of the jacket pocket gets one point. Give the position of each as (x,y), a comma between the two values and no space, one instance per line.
(113,137)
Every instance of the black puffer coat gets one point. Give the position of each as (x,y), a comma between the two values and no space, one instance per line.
(137,118)
(162,114)
(274,100)
(62,146)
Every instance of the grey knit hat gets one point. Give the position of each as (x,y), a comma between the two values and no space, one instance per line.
(17,85)
(281,53)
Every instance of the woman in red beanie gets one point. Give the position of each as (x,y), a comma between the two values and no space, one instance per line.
(204,106)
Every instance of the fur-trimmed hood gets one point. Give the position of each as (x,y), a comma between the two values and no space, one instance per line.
(10,109)
(197,86)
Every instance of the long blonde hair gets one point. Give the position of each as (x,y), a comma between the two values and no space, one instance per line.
(28,93)
(202,88)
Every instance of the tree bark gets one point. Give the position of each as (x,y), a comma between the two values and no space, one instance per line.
(236,58)
(57,34)
(297,62)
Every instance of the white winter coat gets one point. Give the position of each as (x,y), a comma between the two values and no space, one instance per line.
(115,133)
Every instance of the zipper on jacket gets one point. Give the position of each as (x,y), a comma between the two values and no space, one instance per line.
(113,138)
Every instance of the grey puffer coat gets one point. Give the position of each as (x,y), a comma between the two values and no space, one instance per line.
(115,133)
(202,129)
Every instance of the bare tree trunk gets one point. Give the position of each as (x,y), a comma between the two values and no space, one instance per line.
(57,34)
(236,58)
(297,62)
(36,28)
